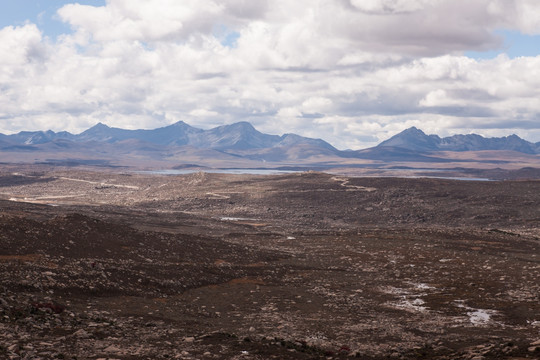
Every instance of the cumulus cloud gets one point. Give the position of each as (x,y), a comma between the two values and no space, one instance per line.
(21,45)
(351,72)
(391,6)
(142,20)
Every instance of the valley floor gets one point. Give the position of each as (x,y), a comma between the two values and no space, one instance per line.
(118,265)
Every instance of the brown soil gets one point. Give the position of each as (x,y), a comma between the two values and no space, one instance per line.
(300,266)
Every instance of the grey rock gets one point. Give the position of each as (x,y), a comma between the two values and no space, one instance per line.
(81,333)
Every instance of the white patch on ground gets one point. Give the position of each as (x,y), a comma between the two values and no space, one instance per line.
(409,300)
(226,218)
(480,316)
(218,196)
(422,286)
(414,305)
(394,290)
(477,317)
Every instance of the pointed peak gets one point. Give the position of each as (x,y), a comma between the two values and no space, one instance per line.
(412,139)
(413,130)
(179,123)
(242,125)
(100,125)
(99,128)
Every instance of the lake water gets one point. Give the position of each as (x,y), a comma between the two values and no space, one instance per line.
(278,172)
(449,178)
(219,171)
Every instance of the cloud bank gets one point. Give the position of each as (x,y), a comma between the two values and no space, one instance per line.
(351,72)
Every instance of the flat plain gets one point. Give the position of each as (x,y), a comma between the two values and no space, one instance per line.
(122,265)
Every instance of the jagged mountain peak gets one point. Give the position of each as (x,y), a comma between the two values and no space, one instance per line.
(235,137)
(179,124)
(242,138)
(413,130)
(415,139)
(99,126)
(412,139)
(242,126)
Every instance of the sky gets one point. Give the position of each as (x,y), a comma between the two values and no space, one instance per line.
(352,72)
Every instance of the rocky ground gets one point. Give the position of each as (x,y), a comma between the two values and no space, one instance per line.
(105,265)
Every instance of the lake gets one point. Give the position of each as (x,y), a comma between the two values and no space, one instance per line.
(219,171)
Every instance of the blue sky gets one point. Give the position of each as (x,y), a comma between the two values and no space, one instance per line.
(43,13)
(40,12)
(514,44)
(352,72)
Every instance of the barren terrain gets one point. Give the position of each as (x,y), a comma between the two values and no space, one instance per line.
(122,265)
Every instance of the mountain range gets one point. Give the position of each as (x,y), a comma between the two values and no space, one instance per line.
(416,140)
(242,141)
(238,136)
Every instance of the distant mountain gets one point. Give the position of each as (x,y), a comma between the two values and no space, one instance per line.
(175,134)
(293,139)
(412,139)
(4,140)
(238,136)
(39,137)
(234,137)
(237,145)
(416,140)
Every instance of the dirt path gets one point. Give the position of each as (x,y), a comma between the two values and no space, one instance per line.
(133,187)
(345,183)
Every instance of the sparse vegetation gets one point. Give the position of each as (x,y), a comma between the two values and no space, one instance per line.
(297,266)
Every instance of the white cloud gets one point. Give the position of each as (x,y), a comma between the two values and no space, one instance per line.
(289,112)
(317,104)
(392,6)
(351,72)
(142,20)
(202,113)
(528,19)
(20,46)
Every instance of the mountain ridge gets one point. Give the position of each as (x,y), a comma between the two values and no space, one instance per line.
(237,136)
(416,140)
(180,141)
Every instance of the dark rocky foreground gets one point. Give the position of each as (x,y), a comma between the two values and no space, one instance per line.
(304,266)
